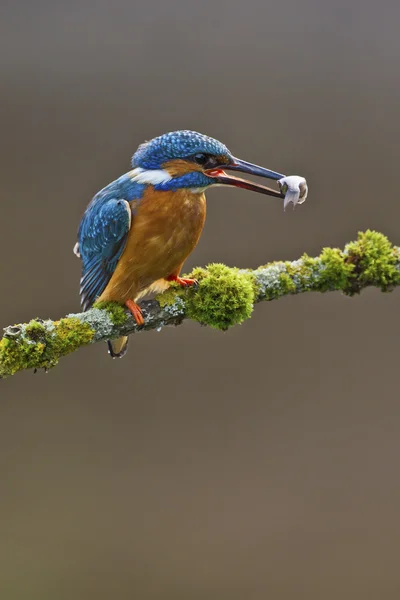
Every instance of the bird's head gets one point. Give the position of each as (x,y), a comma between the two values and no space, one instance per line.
(186,159)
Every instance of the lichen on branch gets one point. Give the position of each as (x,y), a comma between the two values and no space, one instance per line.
(224,297)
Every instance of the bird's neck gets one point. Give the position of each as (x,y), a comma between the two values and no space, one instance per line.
(164,181)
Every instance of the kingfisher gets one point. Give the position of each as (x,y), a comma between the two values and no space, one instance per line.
(137,232)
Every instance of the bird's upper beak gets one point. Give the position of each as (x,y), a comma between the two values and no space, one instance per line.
(222,178)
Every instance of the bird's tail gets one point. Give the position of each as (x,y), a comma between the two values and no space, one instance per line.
(118,348)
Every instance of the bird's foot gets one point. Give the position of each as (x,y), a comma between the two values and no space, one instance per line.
(183,281)
(136,311)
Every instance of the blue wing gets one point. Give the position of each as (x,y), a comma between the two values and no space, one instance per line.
(102,238)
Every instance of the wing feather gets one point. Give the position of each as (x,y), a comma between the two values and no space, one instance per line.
(102,236)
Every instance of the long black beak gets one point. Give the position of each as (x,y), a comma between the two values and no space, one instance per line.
(221,178)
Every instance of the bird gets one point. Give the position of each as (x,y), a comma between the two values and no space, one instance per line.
(137,232)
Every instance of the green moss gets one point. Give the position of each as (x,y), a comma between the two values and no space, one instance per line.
(308,263)
(272,280)
(116,311)
(200,273)
(41,346)
(224,297)
(329,271)
(35,330)
(335,271)
(373,259)
(169,297)
(303,273)
(286,284)
(69,335)
(16,355)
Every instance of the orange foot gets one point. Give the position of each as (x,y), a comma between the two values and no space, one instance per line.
(182,281)
(136,311)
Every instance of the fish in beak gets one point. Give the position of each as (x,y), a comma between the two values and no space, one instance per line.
(292,189)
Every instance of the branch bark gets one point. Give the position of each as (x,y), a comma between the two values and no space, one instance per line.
(223,298)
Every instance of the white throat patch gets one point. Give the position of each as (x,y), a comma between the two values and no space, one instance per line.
(149,176)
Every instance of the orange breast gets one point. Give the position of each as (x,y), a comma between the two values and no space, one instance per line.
(165,230)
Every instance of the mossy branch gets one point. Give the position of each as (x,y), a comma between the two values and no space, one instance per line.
(225,297)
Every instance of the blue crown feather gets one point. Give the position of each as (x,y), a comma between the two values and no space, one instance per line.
(173,145)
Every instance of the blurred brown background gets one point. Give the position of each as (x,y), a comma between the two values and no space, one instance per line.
(260,463)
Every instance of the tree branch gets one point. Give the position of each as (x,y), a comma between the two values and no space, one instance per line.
(224,297)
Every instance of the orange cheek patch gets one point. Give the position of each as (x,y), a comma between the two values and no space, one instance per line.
(179,167)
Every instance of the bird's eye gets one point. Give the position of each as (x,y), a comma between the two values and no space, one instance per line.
(208,161)
(201,159)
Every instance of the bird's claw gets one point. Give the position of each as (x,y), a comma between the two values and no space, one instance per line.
(136,312)
(184,281)
(187,282)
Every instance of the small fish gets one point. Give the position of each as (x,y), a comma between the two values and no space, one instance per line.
(295,189)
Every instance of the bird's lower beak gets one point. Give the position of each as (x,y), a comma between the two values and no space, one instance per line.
(222,178)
